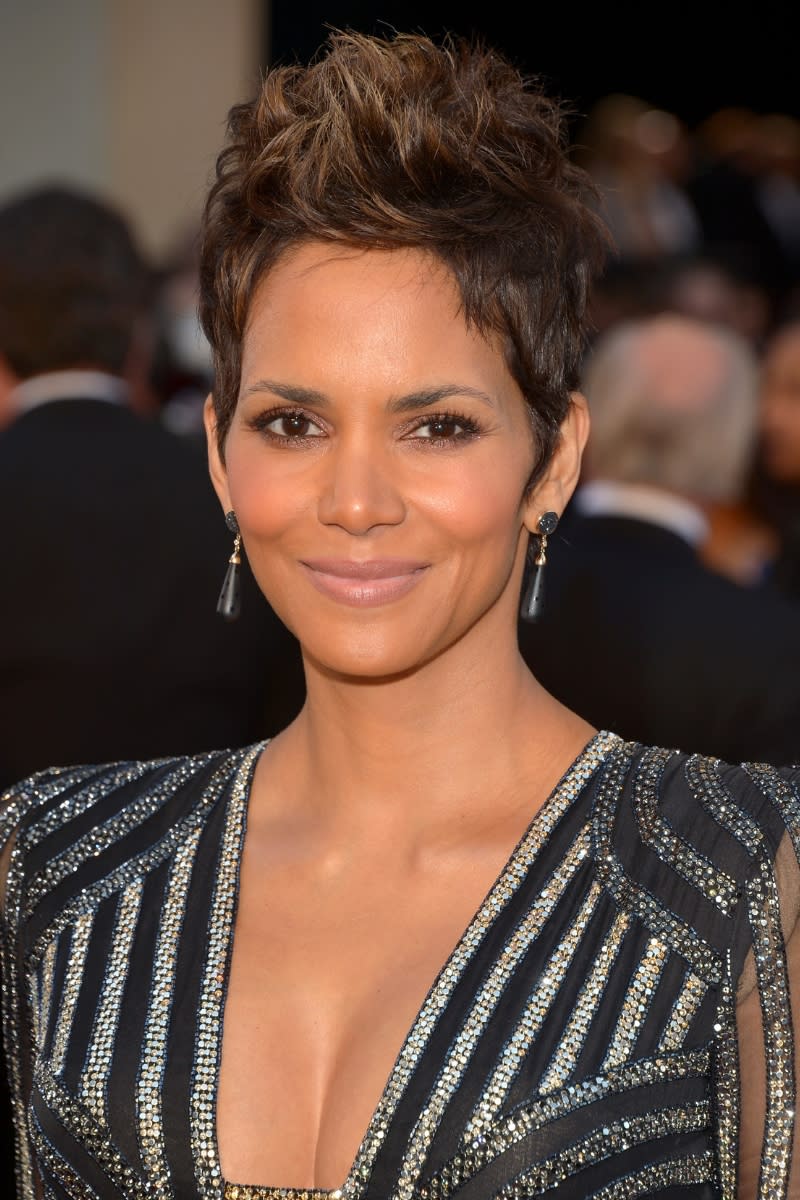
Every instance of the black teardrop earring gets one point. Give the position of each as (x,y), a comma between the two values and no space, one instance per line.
(230,598)
(530,608)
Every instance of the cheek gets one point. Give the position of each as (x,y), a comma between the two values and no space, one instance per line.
(266,493)
(482,506)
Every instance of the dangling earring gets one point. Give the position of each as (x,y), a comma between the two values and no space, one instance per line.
(230,598)
(532,603)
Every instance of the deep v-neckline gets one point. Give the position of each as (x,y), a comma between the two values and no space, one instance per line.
(219,960)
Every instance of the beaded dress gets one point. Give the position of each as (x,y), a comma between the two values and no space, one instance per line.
(580,1041)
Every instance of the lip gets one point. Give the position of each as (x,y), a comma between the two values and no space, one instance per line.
(364,584)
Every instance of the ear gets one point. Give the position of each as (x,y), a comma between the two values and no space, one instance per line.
(216,465)
(8,381)
(562,473)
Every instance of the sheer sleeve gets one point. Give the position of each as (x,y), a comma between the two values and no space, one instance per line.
(768,1029)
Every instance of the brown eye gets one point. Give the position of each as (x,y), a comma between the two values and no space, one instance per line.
(293,425)
(287,426)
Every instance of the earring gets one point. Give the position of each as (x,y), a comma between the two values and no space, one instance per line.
(230,598)
(530,608)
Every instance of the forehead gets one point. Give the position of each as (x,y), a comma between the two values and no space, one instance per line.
(386,311)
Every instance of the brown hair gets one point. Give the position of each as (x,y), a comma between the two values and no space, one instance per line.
(399,142)
(73,283)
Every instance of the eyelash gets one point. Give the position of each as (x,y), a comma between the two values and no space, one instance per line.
(470,429)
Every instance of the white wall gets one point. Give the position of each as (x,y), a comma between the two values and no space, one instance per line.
(128,97)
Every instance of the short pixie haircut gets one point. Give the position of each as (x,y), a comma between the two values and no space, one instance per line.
(401,142)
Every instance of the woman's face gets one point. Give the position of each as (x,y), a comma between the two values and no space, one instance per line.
(377,461)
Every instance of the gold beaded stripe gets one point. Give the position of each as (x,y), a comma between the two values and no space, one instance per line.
(149,1115)
(58,1167)
(711,881)
(603,1143)
(773,986)
(636,1003)
(525,1119)
(94,1078)
(90,1135)
(243,1191)
(140,864)
(79,945)
(702,775)
(100,837)
(679,1172)
(483,1006)
(566,1054)
(545,820)
(703,958)
(687,1002)
(209,1015)
(539,1005)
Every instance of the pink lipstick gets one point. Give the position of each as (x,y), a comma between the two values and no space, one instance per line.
(364,584)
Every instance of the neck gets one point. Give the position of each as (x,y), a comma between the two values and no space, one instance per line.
(461,733)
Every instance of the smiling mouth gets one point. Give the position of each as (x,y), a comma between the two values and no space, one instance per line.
(364,584)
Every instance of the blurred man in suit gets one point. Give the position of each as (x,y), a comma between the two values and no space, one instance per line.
(112,542)
(637,634)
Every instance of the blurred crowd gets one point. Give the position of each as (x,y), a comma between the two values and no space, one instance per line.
(684,535)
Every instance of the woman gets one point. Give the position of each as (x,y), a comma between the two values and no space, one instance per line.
(462,942)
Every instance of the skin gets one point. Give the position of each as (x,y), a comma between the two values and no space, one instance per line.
(381,817)
(779,409)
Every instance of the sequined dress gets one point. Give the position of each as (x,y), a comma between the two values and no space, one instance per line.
(580,1041)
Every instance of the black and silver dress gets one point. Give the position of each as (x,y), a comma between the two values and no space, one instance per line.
(580,1041)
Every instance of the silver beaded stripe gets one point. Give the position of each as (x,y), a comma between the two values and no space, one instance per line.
(532,1115)
(539,1005)
(726,1087)
(773,986)
(703,777)
(149,1116)
(566,1054)
(94,1077)
(637,1001)
(58,1167)
(717,886)
(483,1006)
(545,820)
(92,1137)
(79,802)
(605,1142)
(783,794)
(139,865)
(35,792)
(209,1017)
(679,1172)
(687,1002)
(45,990)
(79,945)
(102,837)
(703,958)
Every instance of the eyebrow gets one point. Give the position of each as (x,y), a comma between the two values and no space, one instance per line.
(424,398)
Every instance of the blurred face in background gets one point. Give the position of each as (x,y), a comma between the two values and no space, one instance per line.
(780,406)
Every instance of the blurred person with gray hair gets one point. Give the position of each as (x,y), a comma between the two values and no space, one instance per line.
(638,633)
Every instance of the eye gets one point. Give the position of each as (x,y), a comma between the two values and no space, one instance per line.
(286,426)
(445,427)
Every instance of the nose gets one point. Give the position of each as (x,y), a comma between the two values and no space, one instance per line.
(359,492)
